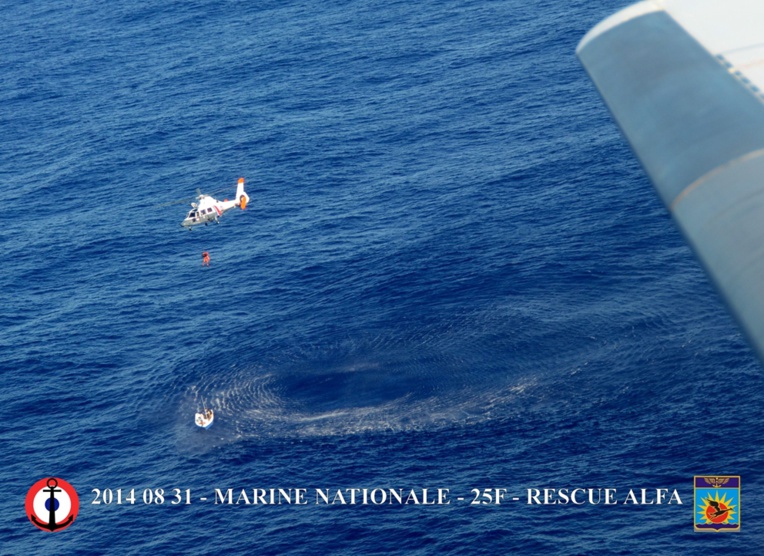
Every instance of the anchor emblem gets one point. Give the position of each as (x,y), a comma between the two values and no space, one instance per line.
(59,497)
(52,525)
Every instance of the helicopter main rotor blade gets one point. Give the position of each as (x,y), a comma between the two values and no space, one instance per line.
(192,199)
(180,202)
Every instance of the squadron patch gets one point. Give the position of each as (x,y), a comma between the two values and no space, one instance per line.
(717,503)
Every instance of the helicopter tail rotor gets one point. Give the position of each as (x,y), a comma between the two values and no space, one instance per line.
(241,195)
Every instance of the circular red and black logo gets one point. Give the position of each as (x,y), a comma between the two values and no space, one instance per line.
(52,504)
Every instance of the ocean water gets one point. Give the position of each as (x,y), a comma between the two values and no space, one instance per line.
(452,274)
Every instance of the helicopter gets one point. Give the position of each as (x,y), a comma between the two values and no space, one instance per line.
(208,209)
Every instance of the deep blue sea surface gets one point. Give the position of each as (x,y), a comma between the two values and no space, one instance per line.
(452,274)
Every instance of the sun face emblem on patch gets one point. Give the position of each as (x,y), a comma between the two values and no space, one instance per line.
(717,503)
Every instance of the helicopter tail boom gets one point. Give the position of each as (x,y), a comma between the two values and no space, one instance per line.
(241,196)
